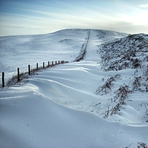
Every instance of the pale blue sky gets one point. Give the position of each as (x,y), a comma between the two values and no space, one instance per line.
(18,17)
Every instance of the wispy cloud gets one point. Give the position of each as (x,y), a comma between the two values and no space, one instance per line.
(144,6)
(48,16)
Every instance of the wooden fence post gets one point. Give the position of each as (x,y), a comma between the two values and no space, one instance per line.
(28,69)
(3,83)
(18,75)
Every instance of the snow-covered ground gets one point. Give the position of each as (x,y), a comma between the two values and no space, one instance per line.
(19,51)
(63,106)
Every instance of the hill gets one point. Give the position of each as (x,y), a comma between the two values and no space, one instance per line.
(99,101)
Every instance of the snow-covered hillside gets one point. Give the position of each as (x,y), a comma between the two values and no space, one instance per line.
(19,51)
(100,101)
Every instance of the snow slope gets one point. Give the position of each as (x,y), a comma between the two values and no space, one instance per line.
(61,45)
(60,107)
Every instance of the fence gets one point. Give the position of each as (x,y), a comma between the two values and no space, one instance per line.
(19,76)
(83,50)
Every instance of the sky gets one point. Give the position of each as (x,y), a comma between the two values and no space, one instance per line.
(25,17)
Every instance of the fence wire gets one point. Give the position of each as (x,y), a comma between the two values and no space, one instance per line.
(23,70)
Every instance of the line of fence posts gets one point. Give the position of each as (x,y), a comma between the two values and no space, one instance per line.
(3,80)
(37,66)
(29,70)
(18,74)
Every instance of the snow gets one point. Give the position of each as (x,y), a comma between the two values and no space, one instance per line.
(58,107)
(61,45)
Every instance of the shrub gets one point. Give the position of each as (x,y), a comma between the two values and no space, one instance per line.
(136,83)
(122,93)
(105,89)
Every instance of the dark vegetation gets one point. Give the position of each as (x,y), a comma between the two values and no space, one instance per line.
(106,87)
(130,52)
(139,145)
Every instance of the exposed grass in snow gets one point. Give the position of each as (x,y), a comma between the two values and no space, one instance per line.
(124,54)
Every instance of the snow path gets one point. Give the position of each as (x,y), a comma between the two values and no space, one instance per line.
(92,47)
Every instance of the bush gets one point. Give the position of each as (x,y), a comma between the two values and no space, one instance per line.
(106,87)
(119,98)
(122,94)
(136,83)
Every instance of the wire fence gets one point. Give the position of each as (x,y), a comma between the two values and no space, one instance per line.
(11,78)
(15,76)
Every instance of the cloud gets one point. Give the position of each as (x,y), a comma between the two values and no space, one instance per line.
(30,18)
(126,27)
(144,6)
